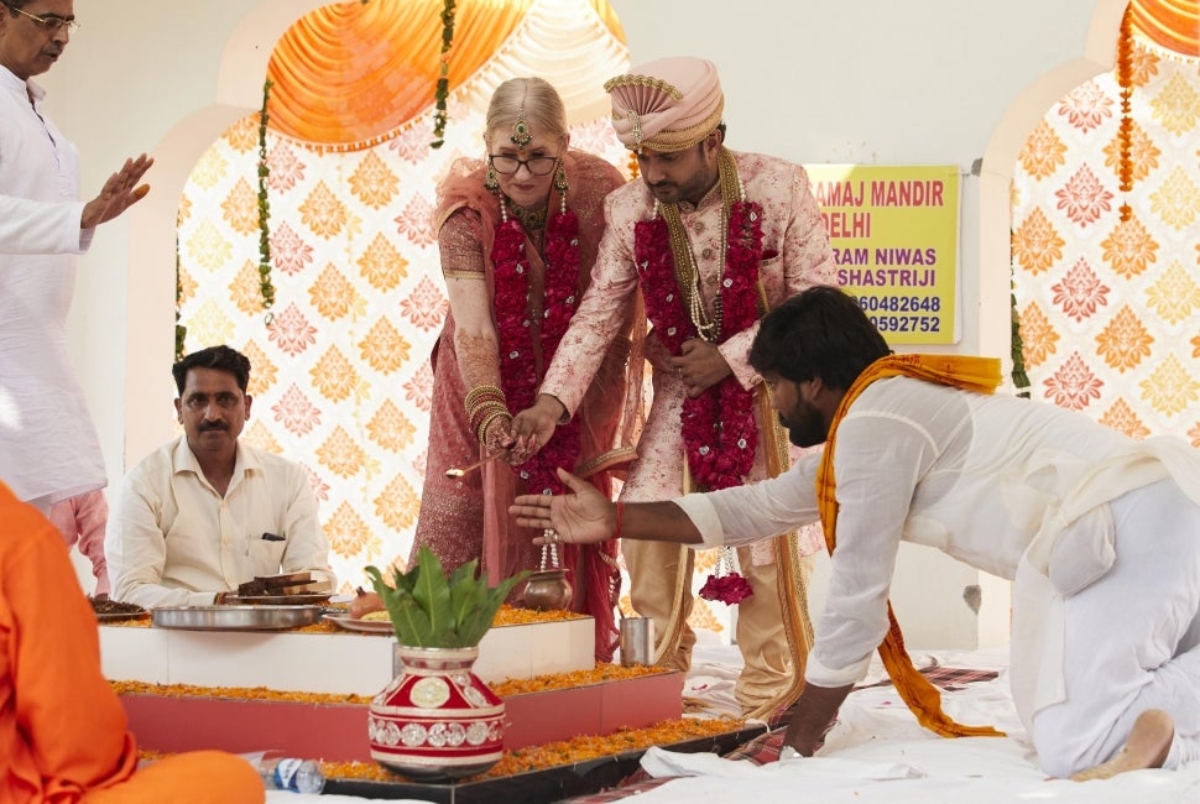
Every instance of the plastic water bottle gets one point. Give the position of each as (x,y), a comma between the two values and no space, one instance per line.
(290,773)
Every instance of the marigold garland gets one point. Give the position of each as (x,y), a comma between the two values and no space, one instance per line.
(599,674)
(1125,130)
(567,752)
(508,688)
(511,615)
(257,694)
(518,369)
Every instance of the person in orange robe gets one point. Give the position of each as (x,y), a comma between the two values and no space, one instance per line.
(63,733)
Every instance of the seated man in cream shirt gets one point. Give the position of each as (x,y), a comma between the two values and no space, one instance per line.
(205,513)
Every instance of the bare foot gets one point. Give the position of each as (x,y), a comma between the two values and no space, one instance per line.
(1147,747)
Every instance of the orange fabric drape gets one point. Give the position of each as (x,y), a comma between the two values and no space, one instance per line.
(978,374)
(1170,24)
(345,75)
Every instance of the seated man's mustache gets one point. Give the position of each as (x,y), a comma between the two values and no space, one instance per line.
(205,427)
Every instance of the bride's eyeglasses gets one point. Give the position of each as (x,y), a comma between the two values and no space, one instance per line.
(537,165)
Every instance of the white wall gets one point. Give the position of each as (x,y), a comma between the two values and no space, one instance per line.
(867,81)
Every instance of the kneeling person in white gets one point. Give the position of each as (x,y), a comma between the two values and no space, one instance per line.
(1100,533)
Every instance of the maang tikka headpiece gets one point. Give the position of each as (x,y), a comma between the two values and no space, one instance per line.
(520,135)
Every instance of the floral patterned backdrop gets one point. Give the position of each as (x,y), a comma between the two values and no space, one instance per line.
(1108,308)
(341,377)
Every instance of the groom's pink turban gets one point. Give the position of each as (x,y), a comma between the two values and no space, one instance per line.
(666,105)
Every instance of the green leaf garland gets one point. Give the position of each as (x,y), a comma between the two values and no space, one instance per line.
(264,209)
(1019,377)
(443,82)
(180,329)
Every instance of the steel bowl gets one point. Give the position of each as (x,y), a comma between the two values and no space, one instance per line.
(235,618)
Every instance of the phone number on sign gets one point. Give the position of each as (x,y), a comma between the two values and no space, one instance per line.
(901,304)
(906,323)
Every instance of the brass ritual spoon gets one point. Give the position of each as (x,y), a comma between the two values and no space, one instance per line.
(466,470)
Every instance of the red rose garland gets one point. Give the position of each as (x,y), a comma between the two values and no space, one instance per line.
(718,427)
(719,431)
(514,329)
(730,588)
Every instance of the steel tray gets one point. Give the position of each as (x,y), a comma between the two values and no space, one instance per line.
(235,618)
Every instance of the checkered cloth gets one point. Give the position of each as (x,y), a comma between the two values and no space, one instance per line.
(948,678)
(764,749)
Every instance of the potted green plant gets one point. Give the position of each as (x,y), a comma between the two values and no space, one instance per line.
(430,610)
(437,719)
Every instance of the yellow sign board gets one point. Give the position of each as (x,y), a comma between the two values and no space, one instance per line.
(894,232)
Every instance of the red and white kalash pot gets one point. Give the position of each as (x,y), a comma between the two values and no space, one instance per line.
(436,719)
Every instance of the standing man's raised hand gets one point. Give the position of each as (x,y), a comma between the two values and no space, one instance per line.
(118,194)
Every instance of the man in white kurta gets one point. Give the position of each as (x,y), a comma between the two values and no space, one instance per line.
(1101,534)
(48,447)
(677,141)
(205,513)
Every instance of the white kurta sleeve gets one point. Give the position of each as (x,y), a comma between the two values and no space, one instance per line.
(750,513)
(42,227)
(878,462)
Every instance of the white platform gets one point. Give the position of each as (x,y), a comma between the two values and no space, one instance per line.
(338,663)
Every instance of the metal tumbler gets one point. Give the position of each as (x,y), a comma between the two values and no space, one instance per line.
(637,641)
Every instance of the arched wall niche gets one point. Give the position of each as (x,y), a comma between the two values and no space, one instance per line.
(1000,157)
(152,250)
(991,624)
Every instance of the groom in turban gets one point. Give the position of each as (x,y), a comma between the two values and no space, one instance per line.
(712,238)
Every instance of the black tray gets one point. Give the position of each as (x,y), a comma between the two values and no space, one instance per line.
(537,787)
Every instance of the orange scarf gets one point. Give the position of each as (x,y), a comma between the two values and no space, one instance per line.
(978,374)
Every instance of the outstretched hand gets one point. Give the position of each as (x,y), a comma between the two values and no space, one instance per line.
(118,194)
(583,516)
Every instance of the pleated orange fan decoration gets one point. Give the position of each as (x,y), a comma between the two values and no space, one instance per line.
(345,76)
(1173,25)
